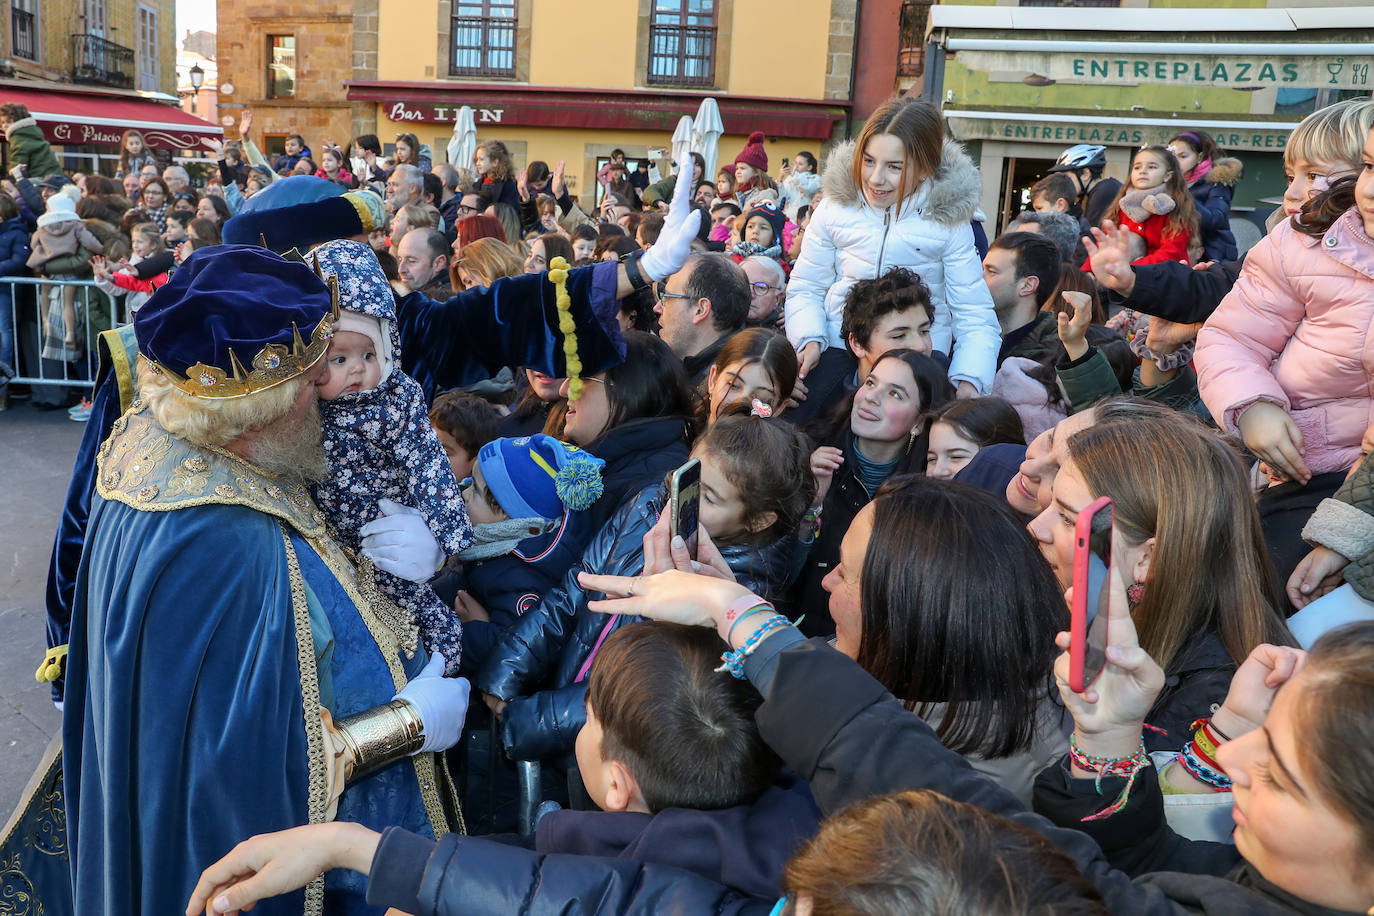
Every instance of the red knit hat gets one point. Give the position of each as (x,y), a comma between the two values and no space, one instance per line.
(754,153)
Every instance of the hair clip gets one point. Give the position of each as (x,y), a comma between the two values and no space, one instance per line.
(759,409)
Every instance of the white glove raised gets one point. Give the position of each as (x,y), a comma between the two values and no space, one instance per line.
(401,543)
(442,703)
(680,226)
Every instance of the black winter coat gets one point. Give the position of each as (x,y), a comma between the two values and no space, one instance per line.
(638,454)
(1176,292)
(846,497)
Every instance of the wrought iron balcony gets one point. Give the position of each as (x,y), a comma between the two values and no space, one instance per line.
(99,62)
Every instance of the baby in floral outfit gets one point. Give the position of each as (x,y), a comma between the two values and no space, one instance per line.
(378,439)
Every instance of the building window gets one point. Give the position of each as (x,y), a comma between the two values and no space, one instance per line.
(93,13)
(483,37)
(281,66)
(682,43)
(147,49)
(24,29)
(912,56)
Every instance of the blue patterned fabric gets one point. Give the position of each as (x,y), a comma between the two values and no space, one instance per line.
(380,445)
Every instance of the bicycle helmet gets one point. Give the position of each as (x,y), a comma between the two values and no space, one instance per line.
(1082,156)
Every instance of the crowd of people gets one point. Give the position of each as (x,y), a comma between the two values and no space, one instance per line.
(459,417)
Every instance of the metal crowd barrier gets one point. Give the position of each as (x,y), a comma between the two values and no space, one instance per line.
(30,298)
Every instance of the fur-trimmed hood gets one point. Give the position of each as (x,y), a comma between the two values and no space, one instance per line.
(20,125)
(950,199)
(1225,170)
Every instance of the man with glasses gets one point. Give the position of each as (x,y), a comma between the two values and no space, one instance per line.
(701,307)
(767,287)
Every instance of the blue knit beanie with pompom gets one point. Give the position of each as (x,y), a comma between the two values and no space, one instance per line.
(540,477)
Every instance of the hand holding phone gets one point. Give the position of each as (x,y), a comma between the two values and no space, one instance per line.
(684,504)
(1092,570)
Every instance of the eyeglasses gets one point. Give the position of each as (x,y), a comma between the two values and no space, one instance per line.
(762,289)
(661,293)
(464,208)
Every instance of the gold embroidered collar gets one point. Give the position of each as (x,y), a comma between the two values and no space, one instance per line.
(145,467)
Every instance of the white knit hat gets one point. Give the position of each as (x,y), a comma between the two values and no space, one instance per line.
(61,209)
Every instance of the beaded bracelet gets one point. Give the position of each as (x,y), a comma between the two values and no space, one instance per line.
(734,661)
(1127,768)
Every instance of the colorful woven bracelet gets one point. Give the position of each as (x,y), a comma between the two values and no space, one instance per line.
(1201,770)
(1127,768)
(734,661)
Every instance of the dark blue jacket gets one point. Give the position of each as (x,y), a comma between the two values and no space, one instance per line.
(536,667)
(744,847)
(510,586)
(1212,197)
(14,252)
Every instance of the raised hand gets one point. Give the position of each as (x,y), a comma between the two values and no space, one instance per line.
(679,229)
(664,551)
(1109,256)
(556,181)
(1108,715)
(825,461)
(1073,329)
(1253,687)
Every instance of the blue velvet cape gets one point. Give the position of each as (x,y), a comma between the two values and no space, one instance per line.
(194,674)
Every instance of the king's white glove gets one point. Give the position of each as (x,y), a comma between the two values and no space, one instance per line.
(680,226)
(401,543)
(442,703)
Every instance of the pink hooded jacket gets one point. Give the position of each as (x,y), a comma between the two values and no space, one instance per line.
(1297,330)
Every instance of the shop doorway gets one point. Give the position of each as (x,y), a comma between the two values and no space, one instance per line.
(1018,175)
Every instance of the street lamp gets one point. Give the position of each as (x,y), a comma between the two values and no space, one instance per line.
(197,80)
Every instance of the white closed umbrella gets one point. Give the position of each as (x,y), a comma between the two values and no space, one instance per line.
(683,140)
(706,131)
(462,146)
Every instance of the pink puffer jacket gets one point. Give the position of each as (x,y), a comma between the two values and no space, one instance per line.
(1297,330)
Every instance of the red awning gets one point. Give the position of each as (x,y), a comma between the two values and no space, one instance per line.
(82,118)
(548,106)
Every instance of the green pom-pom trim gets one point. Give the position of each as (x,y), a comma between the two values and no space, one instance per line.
(578,484)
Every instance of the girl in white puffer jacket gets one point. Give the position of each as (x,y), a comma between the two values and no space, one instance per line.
(907,203)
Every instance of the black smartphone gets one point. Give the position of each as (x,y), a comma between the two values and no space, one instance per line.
(784,162)
(684,503)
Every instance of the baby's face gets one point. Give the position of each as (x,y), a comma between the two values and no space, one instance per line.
(352,364)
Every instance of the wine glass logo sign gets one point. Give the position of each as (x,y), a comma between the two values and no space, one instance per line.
(1334,68)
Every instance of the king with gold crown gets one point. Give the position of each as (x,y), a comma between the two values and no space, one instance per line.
(228,674)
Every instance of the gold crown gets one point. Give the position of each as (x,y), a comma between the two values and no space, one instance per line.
(274,364)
